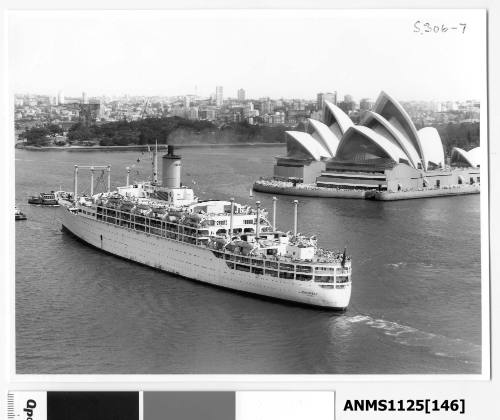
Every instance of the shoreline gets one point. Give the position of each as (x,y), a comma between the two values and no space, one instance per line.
(372,195)
(308,192)
(411,195)
(144,147)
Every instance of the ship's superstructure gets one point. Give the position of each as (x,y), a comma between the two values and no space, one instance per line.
(219,242)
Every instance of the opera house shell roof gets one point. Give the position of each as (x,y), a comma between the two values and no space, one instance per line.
(460,157)
(386,132)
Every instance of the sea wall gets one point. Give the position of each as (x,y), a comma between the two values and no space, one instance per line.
(308,190)
(424,193)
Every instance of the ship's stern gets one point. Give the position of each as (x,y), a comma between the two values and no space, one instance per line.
(334,296)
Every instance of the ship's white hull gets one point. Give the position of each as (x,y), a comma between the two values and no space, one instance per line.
(197,263)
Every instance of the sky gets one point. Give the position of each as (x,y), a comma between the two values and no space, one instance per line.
(275,53)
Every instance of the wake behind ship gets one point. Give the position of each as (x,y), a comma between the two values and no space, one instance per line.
(223,243)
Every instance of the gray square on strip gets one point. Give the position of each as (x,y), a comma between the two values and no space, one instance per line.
(189,405)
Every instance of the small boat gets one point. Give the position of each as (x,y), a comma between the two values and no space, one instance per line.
(44,199)
(19,214)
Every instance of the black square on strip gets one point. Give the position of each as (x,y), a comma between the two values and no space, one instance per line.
(189,405)
(92,405)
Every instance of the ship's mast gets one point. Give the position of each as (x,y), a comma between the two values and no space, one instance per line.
(108,168)
(75,185)
(231,220)
(257,227)
(295,205)
(155,164)
(274,213)
(92,168)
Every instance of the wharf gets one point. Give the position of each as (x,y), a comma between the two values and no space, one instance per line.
(305,190)
(310,190)
(425,193)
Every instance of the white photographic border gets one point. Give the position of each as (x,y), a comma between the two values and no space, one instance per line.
(480,388)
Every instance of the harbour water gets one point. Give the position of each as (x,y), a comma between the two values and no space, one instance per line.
(415,307)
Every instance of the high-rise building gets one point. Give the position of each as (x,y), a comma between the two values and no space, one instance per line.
(347,107)
(84,98)
(89,113)
(325,96)
(249,111)
(60,98)
(187,101)
(266,106)
(218,96)
(241,94)
(366,104)
(319,101)
(348,98)
(102,109)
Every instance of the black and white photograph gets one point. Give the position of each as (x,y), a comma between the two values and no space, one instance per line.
(300,192)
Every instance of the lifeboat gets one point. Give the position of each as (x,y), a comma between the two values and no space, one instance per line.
(127,206)
(240,247)
(193,220)
(219,243)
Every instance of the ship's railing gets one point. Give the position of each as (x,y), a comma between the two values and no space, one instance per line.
(150,225)
(273,265)
(283,269)
(171,229)
(154,225)
(228,213)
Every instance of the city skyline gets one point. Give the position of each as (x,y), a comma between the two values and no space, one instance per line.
(338,51)
(78,97)
(61,110)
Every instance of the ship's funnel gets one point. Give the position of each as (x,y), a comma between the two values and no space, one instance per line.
(171,169)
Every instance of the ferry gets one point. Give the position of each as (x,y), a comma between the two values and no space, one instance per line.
(44,199)
(219,242)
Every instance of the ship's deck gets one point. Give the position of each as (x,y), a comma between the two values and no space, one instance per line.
(156,224)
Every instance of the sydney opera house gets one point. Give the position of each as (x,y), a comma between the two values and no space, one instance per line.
(384,151)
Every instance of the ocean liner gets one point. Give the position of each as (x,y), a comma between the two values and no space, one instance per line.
(223,243)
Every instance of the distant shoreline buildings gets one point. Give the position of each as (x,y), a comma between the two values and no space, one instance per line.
(33,110)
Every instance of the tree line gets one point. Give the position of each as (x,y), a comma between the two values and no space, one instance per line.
(463,135)
(176,130)
(41,136)
(173,130)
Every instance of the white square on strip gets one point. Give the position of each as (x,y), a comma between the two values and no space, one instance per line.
(285,405)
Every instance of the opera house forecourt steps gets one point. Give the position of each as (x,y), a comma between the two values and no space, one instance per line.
(384,157)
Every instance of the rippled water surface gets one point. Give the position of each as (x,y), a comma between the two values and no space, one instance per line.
(415,307)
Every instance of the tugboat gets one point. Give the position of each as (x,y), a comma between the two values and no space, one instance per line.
(44,199)
(19,214)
